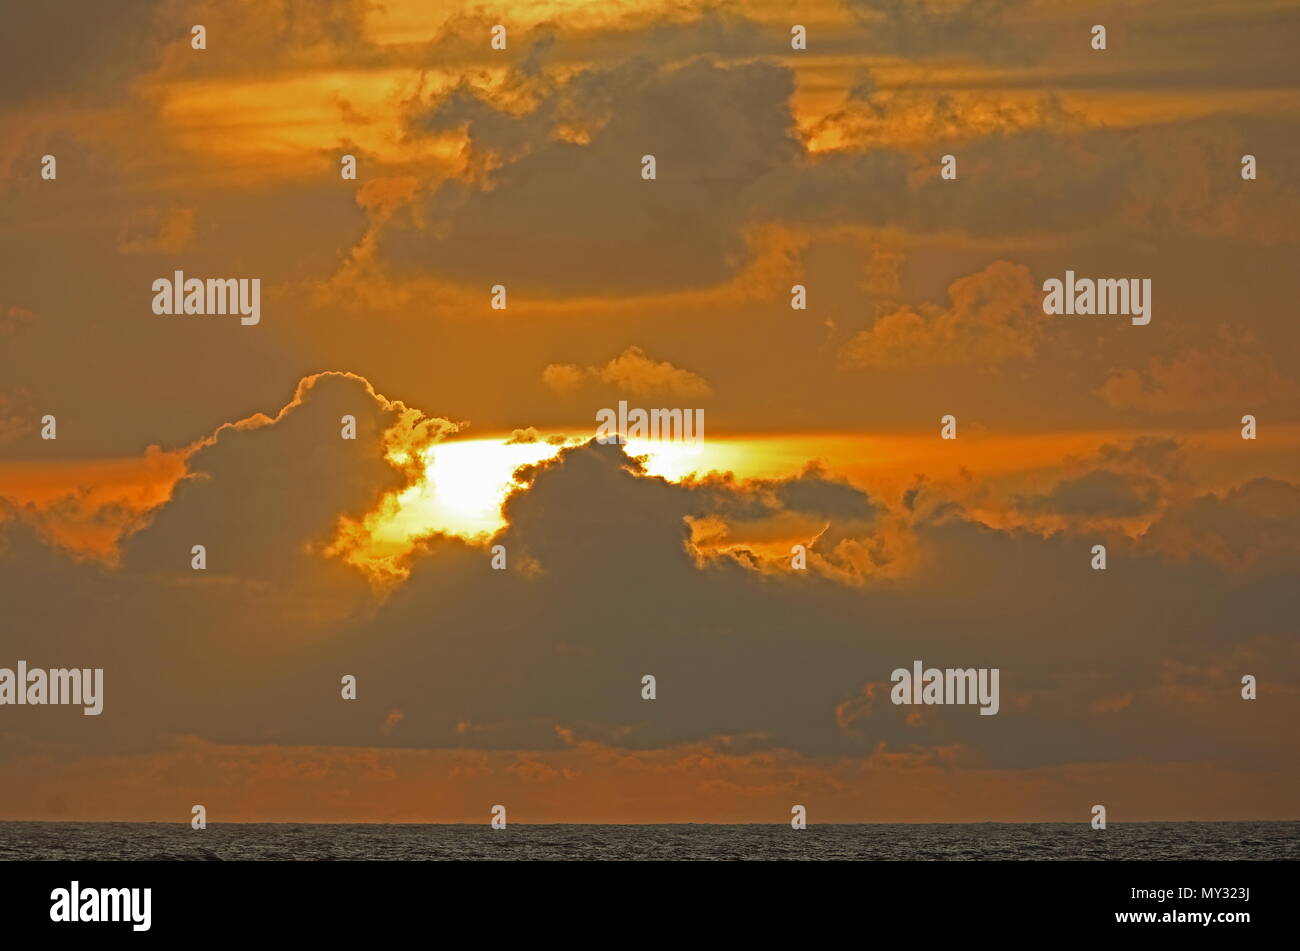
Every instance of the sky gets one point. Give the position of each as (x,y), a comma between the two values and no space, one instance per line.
(522,167)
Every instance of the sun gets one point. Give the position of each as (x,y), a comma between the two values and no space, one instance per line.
(465,482)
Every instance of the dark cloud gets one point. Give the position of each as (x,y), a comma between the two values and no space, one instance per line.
(974,28)
(814,492)
(604,587)
(729,159)
(715,133)
(1250,526)
(1098,494)
(259,491)
(69,49)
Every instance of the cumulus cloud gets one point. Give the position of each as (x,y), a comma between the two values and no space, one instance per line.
(1097,493)
(621,589)
(1119,481)
(1196,378)
(243,499)
(716,132)
(630,372)
(991,317)
(530,434)
(1248,526)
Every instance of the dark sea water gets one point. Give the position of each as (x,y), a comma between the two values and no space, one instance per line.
(284,841)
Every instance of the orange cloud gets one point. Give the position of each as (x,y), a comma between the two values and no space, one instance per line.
(87,507)
(1196,378)
(631,372)
(991,318)
(157,232)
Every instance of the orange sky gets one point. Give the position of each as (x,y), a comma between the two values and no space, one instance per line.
(776,167)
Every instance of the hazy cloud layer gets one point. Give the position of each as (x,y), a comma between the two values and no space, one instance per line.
(774,167)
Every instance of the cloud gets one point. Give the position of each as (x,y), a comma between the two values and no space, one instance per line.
(1250,526)
(1230,375)
(271,35)
(536,672)
(157,232)
(243,496)
(1119,481)
(874,118)
(991,318)
(927,27)
(716,131)
(16,415)
(630,372)
(1097,494)
(538,659)
(89,507)
(814,492)
(563,377)
(65,49)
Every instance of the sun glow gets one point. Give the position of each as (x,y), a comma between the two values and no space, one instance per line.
(467,480)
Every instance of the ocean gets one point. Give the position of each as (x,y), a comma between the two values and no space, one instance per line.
(1123,841)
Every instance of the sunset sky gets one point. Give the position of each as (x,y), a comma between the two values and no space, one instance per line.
(775,166)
